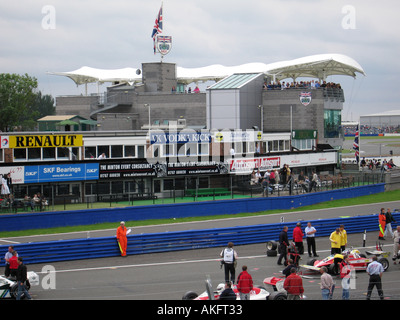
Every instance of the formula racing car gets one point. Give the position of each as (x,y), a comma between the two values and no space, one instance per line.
(9,286)
(257,293)
(357,260)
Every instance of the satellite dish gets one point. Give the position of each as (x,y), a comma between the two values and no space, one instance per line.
(138,72)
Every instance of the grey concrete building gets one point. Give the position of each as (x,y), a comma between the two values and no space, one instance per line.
(235,101)
(284,112)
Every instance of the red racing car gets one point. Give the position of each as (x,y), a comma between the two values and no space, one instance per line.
(357,260)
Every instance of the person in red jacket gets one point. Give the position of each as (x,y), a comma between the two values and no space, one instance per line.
(122,239)
(298,238)
(13,264)
(293,286)
(244,284)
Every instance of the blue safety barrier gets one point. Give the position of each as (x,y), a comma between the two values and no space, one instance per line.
(44,220)
(64,250)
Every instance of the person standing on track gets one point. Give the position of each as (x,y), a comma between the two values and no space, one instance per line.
(310,236)
(122,238)
(298,238)
(335,239)
(294,286)
(229,257)
(343,237)
(244,284)
(382,224)
(375,271)
(283,244)
(389,220)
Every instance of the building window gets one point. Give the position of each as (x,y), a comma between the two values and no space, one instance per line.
(129,151)
(49,153)
(141,152)
(181,149)
(63,153)
(90,152)
(34,154)
(303,144)
(103,149)
(20,154)
(191,149)
(203,149)
(251,147)
(332,123)
(116,152)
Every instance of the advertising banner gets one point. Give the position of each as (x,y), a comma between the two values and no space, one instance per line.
(62,172)
(247,165)
(43,141)
(128,170)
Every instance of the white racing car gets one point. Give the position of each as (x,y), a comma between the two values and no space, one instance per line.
(257,293)
(9,287)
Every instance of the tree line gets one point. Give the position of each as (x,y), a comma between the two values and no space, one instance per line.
(21,104)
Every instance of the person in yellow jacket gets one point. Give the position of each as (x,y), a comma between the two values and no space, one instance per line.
(336,241)
(343,234)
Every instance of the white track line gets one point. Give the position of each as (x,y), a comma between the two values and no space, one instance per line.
(173,262)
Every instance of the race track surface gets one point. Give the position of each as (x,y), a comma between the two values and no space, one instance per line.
(167,276)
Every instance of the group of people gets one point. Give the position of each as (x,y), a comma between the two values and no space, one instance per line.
(15,269)
(313,84)
(283,176)
(374,164)
(297,236)
(9,201)
(385,228)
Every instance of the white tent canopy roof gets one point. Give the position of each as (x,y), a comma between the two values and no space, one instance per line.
(316,66)
(92,75)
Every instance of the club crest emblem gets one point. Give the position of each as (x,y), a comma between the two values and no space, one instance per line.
(305,98)
(164,44)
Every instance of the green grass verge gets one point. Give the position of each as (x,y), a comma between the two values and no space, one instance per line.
(374,198)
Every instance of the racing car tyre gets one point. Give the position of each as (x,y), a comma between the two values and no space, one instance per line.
(276,295)
(272,253)
(272,245)
(190,295)
(14,291)
(311,262)
(384,262)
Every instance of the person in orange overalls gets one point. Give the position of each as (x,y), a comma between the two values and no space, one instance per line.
(382,224)
(122,239)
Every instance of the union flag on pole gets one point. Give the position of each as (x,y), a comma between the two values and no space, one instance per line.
(158,25)
(356,145)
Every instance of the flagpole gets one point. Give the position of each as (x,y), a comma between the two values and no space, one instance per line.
(162,9)
(359,139)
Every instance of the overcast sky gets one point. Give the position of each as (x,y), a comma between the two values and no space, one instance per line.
(53,35)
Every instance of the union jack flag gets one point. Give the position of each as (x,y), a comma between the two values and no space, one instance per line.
(356,146)
(158,25)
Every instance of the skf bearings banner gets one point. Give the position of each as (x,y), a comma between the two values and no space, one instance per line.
(45,141)
(61,172)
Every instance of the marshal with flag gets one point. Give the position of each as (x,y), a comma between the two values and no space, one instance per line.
(356,145)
